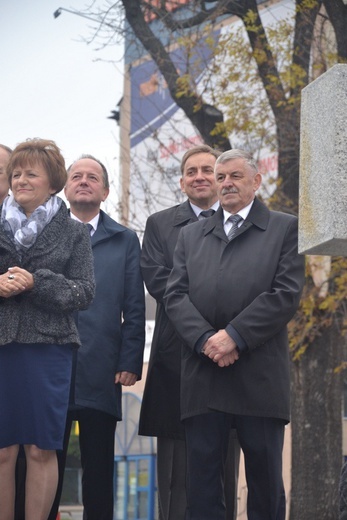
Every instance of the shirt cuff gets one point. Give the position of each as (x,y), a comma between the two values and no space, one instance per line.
(240,342)
(201,342)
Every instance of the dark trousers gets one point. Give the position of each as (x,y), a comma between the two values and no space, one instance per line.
(96,440)
(171,476)
(261,441)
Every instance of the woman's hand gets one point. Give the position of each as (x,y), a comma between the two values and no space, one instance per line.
(15,281)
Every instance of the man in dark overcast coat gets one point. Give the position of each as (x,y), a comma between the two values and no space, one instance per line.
(234,286)
(160,411)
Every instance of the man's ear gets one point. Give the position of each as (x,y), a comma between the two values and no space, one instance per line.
(106,194)
(257,180)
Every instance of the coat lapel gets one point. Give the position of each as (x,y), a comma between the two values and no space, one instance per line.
(106,228)
(184,214)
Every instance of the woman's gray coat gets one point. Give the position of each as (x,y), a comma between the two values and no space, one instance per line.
(62,266)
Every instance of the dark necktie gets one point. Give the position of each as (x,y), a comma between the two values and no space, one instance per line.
(90,229)
(234,219)
(207,213)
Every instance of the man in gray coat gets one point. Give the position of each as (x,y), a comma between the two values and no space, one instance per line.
(235,284)
(160,410)
(112,333)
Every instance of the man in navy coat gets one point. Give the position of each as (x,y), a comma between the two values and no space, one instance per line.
(235,284)
(112,333)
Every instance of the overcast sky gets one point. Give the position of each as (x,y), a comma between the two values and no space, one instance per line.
(54,86)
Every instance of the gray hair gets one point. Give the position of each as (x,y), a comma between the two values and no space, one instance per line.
(236,153)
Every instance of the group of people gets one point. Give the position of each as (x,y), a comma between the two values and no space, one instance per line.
(226,275)
(58,365)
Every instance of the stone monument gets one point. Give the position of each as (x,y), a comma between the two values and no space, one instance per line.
(323,165)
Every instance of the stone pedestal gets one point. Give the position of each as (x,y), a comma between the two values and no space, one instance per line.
(323,165)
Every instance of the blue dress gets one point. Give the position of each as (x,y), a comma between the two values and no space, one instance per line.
(34,394)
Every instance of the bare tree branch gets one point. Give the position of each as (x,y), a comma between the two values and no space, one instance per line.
(202,115)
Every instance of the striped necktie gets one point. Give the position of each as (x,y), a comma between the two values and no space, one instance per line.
(234,219)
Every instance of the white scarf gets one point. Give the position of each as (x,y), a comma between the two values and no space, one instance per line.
(24,231)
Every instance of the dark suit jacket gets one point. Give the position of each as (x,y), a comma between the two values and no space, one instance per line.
(253,283)
(160,410)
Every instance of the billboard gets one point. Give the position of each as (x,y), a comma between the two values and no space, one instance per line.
(160,132)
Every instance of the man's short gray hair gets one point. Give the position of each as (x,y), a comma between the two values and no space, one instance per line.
(236,153)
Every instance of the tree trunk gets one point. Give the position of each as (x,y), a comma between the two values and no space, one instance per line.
(317,429)
(337,12)
(202,115)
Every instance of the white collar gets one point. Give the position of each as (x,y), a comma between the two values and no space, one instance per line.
(198,210)
(94,222)
(243,212)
